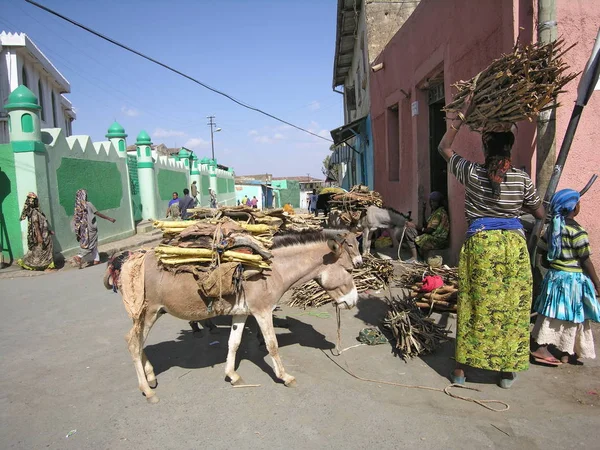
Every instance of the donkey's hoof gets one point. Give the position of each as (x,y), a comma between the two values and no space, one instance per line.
(238,382)
(291,383)
(152,399)
(153,383)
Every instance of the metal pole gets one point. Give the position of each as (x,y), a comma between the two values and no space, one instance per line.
(585,89)
(546,121)
(212,143)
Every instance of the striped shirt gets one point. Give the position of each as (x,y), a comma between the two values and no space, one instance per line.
(575,247)
(516,191)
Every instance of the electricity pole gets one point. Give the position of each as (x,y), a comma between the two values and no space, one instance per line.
(212,124)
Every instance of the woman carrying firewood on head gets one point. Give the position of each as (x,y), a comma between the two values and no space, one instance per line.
(495,280)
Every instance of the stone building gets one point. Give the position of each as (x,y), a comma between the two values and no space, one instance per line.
(23,63)
(364,27)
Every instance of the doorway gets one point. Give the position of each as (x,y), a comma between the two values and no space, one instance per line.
(438,168)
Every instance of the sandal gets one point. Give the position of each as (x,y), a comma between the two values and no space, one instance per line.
(456,379)
(548,361)
(506,383)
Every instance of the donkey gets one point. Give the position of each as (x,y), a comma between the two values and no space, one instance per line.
(379,218)
(296,260)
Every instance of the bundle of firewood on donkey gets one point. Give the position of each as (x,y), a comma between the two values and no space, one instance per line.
(517,86)
(220,255)
(374,274)
(433,288)
(354,203)
(279,219)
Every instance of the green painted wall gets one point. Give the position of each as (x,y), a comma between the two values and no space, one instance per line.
(289,192)
(10,227)
(170,181)
(205,185)
(101,179)
(222,185)
(136,201)
(231,185)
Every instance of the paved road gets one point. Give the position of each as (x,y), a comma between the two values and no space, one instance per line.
(65,367)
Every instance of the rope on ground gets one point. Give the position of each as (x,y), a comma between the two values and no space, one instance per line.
(446,390)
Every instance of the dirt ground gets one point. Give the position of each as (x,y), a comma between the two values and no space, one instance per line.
(66,367)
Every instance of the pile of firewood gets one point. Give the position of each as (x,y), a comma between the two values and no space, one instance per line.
(441,299)
(208,244)
(517,86)
(374,274)
(359,198)
(415,333)
(278,219)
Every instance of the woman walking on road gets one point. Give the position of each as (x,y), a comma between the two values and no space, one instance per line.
(86,229)
(495,280)
(567,302)
(39,237)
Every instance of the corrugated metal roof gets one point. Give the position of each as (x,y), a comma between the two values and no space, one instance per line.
(348,12)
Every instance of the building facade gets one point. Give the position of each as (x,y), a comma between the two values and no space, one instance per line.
(129,186)
(414,82)
(23,63)
(363,30)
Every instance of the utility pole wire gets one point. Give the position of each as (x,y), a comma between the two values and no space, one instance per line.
(129,49)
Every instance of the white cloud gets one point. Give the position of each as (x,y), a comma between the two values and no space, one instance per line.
(193,143)
(278,136)
(314,105)
(131,112)
(163,133)
(253,133)
(263,140)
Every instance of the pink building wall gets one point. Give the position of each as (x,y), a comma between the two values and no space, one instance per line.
(461,40)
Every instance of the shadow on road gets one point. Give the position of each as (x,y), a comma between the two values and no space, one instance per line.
(189,351)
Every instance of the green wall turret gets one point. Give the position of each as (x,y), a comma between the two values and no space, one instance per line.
(24,122)
(146,178)
(116,135)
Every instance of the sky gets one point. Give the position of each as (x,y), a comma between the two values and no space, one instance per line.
(276,55)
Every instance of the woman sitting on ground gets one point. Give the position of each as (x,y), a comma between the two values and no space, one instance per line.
(567,303)
(39,237)
(435,234)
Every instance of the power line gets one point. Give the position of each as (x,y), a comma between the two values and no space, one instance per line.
(166,66)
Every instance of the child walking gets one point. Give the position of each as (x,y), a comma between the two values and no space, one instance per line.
(568,299)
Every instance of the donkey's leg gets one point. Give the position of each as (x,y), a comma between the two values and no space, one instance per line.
(265,322)
(235,337)
(366,241)
(149,321)
(135,342)
(149,370)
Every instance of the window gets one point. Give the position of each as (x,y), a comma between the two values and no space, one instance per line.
(26,123)
(41,98)
(24,80)
(121,145)
(393,143)
(54,111)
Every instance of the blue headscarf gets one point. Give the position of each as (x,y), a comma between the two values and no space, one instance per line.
(563,202)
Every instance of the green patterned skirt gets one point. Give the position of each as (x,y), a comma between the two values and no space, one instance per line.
(494,301)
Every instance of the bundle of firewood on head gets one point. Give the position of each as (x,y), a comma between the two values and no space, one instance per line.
(415,334)
(517,86)
(374,274)
(429,287)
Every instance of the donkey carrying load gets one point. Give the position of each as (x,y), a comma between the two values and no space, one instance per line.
(296,259)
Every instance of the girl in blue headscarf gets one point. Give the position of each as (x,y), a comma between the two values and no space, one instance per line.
(568,299)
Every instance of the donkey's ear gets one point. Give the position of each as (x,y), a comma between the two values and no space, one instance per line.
(334,247)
